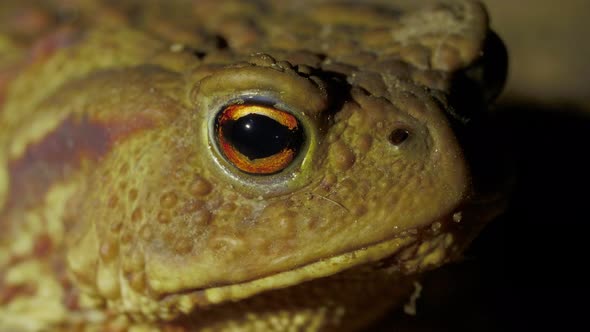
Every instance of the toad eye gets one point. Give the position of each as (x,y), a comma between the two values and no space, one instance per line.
(258,139)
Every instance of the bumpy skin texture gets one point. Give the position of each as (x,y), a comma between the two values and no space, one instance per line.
(117,210)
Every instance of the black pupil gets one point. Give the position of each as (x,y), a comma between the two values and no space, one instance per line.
(259,136)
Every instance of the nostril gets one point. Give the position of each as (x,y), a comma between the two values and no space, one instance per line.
(398,136)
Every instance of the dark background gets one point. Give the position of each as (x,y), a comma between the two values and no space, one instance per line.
(526,270)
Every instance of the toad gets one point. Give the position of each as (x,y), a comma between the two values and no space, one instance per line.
(221,166)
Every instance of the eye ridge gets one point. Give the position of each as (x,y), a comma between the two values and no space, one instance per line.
(258,139)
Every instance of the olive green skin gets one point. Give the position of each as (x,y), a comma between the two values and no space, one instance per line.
(119,210)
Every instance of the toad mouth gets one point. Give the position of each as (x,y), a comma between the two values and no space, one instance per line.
(388,254)
(318,269)
(385,254)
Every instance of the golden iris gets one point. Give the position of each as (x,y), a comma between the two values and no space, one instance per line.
(258,139)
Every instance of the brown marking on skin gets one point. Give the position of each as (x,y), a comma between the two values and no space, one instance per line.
(43,246)
(53,158)
(44,47)
(61,153)
(71,297)
(11,292)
